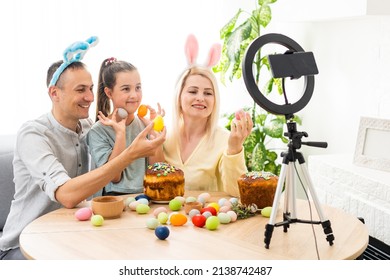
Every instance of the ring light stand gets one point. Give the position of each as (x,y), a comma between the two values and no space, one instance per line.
(294,64)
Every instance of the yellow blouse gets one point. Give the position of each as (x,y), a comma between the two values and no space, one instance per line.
(208,168)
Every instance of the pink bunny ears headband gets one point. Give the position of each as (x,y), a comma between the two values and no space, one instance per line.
(75,52)
(192,48)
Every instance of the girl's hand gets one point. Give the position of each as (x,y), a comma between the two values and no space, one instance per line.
(112,120)
(240,129)
(153,114)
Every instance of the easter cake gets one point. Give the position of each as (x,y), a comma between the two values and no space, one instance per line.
(257,187)
(163,182)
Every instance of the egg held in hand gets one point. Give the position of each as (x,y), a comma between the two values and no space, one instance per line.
(142,110)
(122,113)
(158,123)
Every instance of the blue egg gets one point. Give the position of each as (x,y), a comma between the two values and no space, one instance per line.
(142,196)
(162,232)
(143,201)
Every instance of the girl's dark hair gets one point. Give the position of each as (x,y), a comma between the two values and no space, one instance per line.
(107,78)
(56,65)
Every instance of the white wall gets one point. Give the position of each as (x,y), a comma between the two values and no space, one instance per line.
(351,49)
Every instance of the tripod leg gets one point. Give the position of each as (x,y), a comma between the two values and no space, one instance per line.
(325,223)
(269,228)
(289,214)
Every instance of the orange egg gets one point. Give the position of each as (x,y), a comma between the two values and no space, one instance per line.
(178,219)
(142,110)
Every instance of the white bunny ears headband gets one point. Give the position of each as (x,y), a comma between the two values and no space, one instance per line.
(75,52)
(192,48)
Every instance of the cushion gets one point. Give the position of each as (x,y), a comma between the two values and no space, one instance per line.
(7,186)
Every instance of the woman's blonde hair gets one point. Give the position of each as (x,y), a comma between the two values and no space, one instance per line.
(177,114)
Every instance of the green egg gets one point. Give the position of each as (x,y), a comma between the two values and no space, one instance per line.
(175,204)
(152,223)
(129,200)
(224,218)
(162,218)
(97,220)
(212,223)
(266,211)
(142,208)
(190,199)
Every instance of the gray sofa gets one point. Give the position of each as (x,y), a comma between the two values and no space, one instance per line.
(7,187)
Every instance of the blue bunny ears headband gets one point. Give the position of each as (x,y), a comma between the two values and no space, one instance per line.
(75,52)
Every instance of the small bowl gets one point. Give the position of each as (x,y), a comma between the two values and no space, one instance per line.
(110,207)
(188,206)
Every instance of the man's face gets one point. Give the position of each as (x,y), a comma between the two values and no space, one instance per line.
(75,94)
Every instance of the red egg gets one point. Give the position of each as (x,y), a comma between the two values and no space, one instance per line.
(199,220)
(212,210)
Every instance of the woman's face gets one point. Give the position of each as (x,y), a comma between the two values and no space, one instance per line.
(127,92)
(197,97)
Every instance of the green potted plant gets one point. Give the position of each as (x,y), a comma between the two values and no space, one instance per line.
(236,39)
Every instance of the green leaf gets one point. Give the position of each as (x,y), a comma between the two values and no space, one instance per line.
(236,45)
(259,155)
(265,15)
(271,155)
(268,86)
(274,128)
(265,2)
(271,167)
(230,25)
(297,119)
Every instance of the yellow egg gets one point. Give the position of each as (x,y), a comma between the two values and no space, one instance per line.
(178,219)
(158,123)
(214,205)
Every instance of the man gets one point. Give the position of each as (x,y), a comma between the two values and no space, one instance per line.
(51,161)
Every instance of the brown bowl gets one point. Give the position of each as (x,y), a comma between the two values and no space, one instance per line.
(188,206)
(110,207)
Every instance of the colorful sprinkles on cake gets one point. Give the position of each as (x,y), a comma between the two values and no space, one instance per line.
(259,174)
(163,168)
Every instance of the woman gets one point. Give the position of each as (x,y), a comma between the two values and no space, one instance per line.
(211,157)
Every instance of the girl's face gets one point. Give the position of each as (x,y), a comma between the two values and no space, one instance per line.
(127,92)
(197,97)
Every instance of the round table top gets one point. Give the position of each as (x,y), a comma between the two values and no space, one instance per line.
(59,235)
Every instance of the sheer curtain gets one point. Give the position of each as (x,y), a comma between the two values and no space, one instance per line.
(150,34)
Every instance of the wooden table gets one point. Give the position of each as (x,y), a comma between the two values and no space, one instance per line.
(59,235)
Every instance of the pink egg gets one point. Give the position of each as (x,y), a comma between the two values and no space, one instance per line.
(224,209)
(133,205)
(83,214)
(205,196)
(232,215)
(158,210)
(181,199)
(237,115)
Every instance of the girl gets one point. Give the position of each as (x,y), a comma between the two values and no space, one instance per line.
(119,84)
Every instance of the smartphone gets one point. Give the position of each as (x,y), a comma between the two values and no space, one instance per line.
(293,65)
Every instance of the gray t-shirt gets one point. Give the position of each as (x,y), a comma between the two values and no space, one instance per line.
(46,156)
(101,141)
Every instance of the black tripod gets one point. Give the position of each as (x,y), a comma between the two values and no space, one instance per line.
(287,173)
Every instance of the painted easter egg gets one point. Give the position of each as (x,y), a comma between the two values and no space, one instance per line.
(83,214)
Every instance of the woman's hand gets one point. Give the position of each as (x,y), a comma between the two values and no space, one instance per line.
(240,129)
